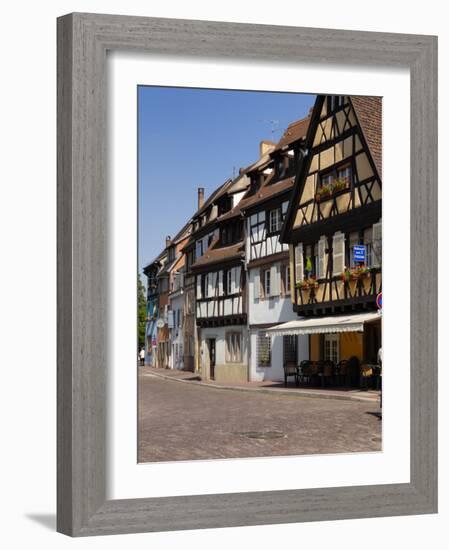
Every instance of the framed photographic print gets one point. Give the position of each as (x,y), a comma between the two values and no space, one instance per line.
(264,186)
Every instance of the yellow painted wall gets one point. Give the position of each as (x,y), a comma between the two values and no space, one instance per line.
(351,343)
(315,347)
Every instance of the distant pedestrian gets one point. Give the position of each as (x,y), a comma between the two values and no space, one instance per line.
(142,357)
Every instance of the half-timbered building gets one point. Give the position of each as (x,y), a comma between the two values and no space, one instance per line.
(152,271)
(267,259)
(334,229)
(220,286)
(167,278)
(176,297)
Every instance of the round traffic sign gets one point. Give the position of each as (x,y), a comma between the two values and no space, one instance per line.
(379,300)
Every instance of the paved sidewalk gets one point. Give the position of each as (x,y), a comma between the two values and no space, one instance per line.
(268,387)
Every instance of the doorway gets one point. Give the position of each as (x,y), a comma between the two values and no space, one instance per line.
(211,351)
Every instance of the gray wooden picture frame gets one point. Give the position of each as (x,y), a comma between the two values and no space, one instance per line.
(83,40)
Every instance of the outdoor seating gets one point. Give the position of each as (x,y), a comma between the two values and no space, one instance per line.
(340,372)
(304,371)
(290,369)
(353,372)
(328,373)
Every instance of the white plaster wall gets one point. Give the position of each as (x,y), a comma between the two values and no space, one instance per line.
(220,349)
(274,372)
(274,310)
(176,333)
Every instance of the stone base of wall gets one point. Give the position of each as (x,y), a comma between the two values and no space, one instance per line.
(234,373)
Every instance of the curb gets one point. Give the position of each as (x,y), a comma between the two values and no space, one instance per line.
(267,391)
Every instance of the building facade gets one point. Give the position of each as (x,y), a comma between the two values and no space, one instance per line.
(267,259)
(220,286)
(334,229)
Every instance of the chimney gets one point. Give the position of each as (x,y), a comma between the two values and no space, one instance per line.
(167,241)
(265,147)
(200,197)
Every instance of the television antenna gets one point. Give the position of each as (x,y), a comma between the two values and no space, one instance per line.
(274,126)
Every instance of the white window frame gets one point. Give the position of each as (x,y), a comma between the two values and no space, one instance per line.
(275,218)
(334,342)
(267,277)
(287,279)
(229,275)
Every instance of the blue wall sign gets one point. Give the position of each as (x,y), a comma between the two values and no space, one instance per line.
(359,253)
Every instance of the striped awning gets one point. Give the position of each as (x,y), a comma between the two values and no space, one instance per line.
(322,325)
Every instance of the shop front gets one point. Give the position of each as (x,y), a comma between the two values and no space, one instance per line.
(343,349)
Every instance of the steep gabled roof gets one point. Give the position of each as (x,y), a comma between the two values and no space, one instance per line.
(295,131)
(368,111)
(214,254)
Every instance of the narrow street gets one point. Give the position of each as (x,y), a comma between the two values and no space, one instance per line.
(184,421)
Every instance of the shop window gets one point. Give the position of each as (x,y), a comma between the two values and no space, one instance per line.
(263,350)
(233,347)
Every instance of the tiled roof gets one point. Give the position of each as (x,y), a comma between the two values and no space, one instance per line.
(267,191)
(295,131)
(215,254)
(369,113)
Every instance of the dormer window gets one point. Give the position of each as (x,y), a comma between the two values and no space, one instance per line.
(281,167)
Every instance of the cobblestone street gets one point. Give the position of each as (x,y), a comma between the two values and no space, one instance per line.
(185,421)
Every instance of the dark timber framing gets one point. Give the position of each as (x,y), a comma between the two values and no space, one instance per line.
(83,507)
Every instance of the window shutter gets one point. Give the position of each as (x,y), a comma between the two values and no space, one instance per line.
(237,271)
(338,245)
(299,263)
(198,286)
(321,258)
(170,319)
(274,282)
(377,244)
(256,284)
(209,285)
(220,283)
(232,271)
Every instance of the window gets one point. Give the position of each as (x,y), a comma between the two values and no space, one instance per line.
(275,220)
(281,167)
(263,350)
(224,235)
(233,347)
(344,174)
(203,286)
(331,347)
(287,280)
(267,282)
(353,240)
(229,281)
(289,345)
(326,179)
(334,102)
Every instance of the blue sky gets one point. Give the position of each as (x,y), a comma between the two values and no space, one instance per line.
(190,138)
